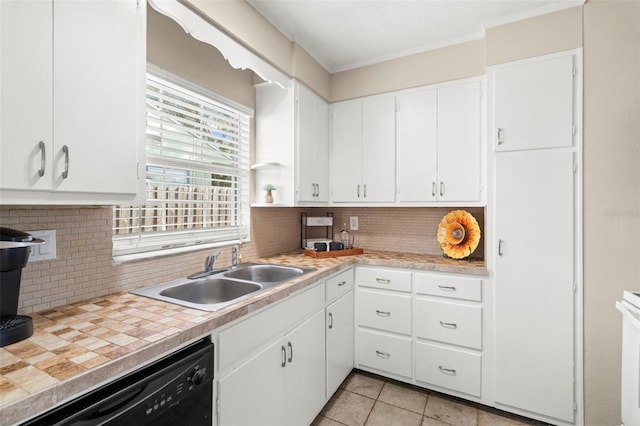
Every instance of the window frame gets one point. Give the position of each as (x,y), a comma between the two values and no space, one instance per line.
(139,245)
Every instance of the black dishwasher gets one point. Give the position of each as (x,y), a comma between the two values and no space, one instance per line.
(175,390)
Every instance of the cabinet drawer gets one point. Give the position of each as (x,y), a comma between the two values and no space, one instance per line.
(448,286)
(339,284)
(387,279)
(384,352)
(241,338)
(384,311)
(449,368)
(449,322)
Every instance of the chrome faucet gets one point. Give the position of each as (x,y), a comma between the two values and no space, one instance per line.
(211,259)
(234,257)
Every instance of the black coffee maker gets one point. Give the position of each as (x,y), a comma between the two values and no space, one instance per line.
(15,247)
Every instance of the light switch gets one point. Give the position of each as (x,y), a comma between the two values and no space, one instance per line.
(353,223)
(46,251)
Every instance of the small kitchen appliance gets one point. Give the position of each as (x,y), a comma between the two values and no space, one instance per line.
(15,247)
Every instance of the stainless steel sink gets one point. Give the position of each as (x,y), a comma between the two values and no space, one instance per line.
(265,274)
(222,289)
(211,290)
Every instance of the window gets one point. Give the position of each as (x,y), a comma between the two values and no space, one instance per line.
(197,173)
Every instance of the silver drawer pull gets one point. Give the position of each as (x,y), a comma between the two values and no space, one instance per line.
(383,280)
(449,371)
(43,158)
(385,355)
(330,320)
(446,287)
(383,313)
(452,325)
(341,283)
(65,150)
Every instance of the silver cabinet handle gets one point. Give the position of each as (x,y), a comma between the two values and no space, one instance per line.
(317,189)
(451,325)
(499,247)
(449,371)
(365,190)
(441,188)
(358,190)
(330,320)
(433,189)
(341,283)
(500,141)
(43,158)
(284,357)
(65,150)
(385,355)
(383,313)
(446,287)
(383,280)
(290,360)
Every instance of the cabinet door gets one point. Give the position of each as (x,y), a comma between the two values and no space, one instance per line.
(534,104)
(339,342)
(534,278)
(313,146)
(459,140)
(26,118)
(378,149)
(305,371)
(416,140)
(258,384)
(96,67)
(346,151)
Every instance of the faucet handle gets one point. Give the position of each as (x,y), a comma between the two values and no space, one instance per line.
(211,259)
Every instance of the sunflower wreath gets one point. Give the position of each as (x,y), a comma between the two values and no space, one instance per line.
(458,234)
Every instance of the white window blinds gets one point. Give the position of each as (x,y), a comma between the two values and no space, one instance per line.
(197,173)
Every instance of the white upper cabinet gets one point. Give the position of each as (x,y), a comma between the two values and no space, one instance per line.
(439,144)
(346,150)
(363,150)
(534,103)
(72,103)
(313,147)
(292,144)
(417,149)
(459,142)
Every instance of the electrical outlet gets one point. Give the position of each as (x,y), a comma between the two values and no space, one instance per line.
(46,251)
(353,223)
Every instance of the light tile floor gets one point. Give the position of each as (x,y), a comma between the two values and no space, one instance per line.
(367,399)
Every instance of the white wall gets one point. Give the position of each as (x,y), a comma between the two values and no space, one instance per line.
(611,193)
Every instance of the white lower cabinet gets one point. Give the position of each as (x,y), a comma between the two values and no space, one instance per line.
(423,328)
(449,368)
(304,371)
(384,352)
(282,380)
(384,311)
(339,341)
(339,325)
(449,322)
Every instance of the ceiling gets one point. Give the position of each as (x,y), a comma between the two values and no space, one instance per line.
(345,34)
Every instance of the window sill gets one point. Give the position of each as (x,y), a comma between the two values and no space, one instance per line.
(135,257)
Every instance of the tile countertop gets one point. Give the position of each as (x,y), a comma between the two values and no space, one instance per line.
(77,347)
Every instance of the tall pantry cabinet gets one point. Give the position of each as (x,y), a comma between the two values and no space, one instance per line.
(535,111)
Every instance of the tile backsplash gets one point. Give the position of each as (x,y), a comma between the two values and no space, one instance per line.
(84,267)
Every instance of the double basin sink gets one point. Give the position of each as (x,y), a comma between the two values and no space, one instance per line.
(223,288)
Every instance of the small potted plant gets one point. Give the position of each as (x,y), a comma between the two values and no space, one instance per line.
(269,197)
